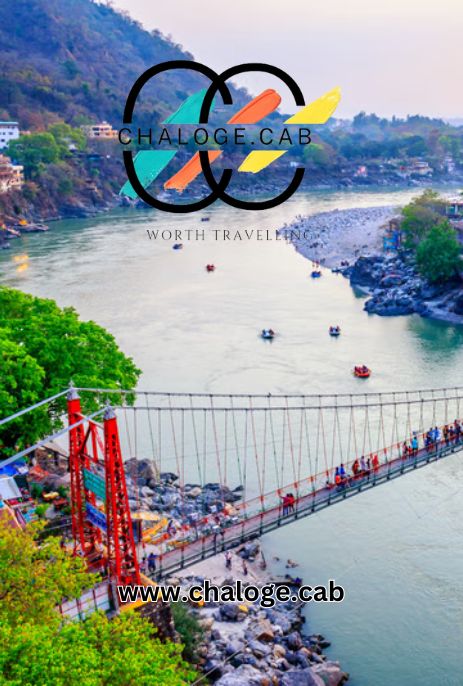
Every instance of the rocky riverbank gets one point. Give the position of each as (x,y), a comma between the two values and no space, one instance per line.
(339,236)
(396,288)
(350,241)
(247,645)
(244,644)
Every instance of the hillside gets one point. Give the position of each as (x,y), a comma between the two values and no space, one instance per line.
(77,60)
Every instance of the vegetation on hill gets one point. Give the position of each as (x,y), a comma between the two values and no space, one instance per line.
(37,647)
(431,237)
(76,60)
(438,256)
(43,348)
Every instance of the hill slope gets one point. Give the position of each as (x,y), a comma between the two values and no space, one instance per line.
(77,60)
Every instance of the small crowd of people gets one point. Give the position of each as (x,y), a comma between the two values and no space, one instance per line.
(360,467)
(288,502)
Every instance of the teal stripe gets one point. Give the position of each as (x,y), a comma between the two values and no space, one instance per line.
(188,112)
(148,165)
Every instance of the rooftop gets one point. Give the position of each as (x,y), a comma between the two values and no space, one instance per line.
(9,123)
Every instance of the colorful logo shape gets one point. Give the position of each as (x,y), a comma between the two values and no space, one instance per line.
(146,166)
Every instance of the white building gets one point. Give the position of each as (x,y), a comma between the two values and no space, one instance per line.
(9,131)
(102,131)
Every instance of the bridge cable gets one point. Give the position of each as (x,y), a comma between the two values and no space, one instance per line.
(291,445)
(311,473)
(275,459)
(195,438)
(216,442)
(237,450)
(152,441)
(256,454)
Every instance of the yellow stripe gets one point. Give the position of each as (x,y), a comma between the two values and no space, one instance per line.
(318,111)
(259,159)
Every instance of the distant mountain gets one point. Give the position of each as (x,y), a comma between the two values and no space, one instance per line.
(77,60)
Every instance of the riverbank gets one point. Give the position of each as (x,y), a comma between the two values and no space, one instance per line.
(350,241)
(244,643)
(339,236)
(247,645)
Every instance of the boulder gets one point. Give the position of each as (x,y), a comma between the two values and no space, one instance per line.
(364,273)
(245,675)
(391,280)
(279,651)
(214,669)
(249,550)
(194,492)
(144,470)
(259,649)
(330,673)
(280,620)
(229,612)
(233,646)
(293,641)
(168,477)
(303,677)
(264,631)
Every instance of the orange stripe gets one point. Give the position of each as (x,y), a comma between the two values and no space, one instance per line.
(189,171)
(259,107)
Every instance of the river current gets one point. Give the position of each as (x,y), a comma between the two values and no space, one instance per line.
(398,549)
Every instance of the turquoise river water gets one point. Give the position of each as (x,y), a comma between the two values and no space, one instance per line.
(398,550)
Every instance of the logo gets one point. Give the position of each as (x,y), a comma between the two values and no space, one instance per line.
(147,165)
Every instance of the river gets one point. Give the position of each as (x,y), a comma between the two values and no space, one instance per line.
(398,550)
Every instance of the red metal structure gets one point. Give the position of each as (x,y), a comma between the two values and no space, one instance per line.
(101,520)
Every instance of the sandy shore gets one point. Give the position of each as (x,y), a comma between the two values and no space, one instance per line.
(339,235)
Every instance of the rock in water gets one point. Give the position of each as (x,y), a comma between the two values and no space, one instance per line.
(331,673)
(365,271)
(305,677)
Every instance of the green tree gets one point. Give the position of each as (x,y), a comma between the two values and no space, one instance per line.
(43,348)
(319,155)
(420,216)
(21,385)
(188,628)
(438,255)
(34,579)
(38,649)
(66,135)
(34,151)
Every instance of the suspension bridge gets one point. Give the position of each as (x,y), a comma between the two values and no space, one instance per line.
(264,461)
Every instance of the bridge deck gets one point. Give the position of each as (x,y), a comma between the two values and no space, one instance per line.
(273,518)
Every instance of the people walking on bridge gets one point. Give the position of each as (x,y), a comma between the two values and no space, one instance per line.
(375,463)
(143,565)
(415,444)
(342,471)
(437,434)
(457,427)
(285,499)
(428,441)
(363,465)
(291,500)
(151,563)
(355,467)
(446,434)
